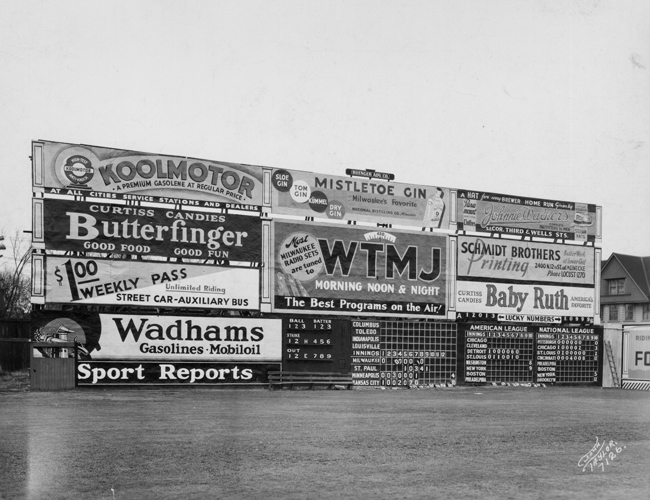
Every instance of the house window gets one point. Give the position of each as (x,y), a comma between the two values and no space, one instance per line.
(646,312)
(629,312)
(617,286)
(613,312)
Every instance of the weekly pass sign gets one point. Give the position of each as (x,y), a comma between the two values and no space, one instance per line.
(71,280)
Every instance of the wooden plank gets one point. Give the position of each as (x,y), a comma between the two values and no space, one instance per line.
(53,374)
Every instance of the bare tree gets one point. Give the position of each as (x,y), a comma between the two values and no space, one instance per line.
(15,282)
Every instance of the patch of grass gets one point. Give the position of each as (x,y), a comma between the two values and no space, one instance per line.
(493,444)
(14,381)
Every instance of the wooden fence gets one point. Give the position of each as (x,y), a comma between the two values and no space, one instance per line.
(14,345)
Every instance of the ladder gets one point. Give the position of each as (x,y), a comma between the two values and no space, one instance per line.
(612,363)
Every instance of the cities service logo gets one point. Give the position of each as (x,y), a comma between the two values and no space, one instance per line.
(79,171)
(75,167)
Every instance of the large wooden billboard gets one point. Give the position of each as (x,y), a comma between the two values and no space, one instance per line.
(482,212)
(82,226)
(359,199)
(189,249)
(525,281)
(86,281)
(114,174)
(355,270)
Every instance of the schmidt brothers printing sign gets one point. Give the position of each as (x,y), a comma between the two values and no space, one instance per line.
(519,279)
(359,270)
(98,172)
(526,261)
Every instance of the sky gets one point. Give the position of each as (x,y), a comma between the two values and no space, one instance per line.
(534,98)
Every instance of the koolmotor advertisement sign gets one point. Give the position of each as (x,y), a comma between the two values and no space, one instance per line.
(524,261)
(72,280)
(524,302)
(354,270)
(144,337)
(82,226)
(496,213)
(100,172)
(370,200)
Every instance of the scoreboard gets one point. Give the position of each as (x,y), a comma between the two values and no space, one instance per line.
(526,354)
(401,353)
(315,344)
(386,353)
(568,354)
(498,353)
(366,353)
(308,339)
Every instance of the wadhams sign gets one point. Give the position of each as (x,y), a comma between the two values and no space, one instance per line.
(496,213)
(82,226)
(128,349)
(367,200)
(97,172)
(190,338)
(106,336)
(359,271)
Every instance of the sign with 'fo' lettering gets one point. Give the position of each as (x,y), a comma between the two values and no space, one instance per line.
(636,362)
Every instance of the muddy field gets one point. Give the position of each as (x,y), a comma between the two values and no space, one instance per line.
(493,442)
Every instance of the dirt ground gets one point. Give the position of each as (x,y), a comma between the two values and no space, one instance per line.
(460,443)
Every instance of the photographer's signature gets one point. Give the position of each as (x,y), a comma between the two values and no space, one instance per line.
(602,454)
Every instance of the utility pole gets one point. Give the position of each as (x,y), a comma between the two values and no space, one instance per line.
(2,292)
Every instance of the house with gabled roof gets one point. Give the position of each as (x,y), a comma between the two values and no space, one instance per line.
(625,289)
